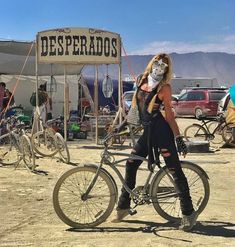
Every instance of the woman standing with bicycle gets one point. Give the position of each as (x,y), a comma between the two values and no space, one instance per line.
(159,136)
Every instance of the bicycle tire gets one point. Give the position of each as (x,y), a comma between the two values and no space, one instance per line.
(9,150)
(70,207)
(44,143)
(216,129)
(195,132)
(27,152)
(227,134)
(165,199)
(63,148)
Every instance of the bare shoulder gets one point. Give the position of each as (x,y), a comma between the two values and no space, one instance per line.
(165,90)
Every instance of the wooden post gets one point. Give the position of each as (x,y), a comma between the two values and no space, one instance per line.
(66,102)
(36,113)
(96,103)
(120,89)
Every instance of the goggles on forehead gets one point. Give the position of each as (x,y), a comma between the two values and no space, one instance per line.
(160,64)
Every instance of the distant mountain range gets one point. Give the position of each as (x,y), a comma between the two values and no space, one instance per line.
(217,65)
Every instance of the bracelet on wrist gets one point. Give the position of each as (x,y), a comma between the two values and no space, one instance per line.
(178,136)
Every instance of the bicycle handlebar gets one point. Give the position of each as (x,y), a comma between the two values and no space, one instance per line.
(107,138)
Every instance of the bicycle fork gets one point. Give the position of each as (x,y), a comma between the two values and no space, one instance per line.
(85,196)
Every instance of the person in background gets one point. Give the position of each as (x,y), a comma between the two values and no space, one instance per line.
(230,116)
(49,107)
(42,102)
(7,96)
(43,108)
(6,100)
(159,136)
(2,92)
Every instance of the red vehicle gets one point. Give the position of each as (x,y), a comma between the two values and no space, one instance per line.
(198,102)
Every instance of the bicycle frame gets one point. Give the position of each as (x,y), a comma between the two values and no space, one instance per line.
(14,137)
(105,160)
(204,125)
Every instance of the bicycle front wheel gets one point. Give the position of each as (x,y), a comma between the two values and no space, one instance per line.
(165,199)
(9,150)
(195,132)
(72,208)
(228,134)
(63,148)
(28,153)
(44,143)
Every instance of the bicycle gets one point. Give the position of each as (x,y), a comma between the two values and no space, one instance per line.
(48,142)
(43,140)
(127,131)
(62,147)
(209,130)
(15,145)
(85,196)
(228,134)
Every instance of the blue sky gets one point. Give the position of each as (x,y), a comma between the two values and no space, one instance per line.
(146,27)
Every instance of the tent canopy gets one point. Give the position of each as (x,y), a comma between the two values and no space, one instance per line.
(13,55)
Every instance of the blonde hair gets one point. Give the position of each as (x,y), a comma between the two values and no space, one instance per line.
(167,75)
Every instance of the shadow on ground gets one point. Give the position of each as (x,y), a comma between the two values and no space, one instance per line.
(208,228)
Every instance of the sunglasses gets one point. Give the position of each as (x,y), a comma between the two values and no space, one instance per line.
(160,64)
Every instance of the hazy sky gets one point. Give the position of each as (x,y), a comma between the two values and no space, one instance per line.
(146,27)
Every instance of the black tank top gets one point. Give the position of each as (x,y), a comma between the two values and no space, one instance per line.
(143,100)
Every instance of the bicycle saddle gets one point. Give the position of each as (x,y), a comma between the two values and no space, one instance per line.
(202,117)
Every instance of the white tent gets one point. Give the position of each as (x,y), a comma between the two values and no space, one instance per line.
(14,53)
(27,85)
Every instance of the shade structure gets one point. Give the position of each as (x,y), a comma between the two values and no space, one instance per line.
(14,53)
(13,56)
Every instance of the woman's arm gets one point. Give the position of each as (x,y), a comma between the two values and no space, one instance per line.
(170,118)
(169,114)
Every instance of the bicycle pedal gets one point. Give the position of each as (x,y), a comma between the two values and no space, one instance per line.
(132,211)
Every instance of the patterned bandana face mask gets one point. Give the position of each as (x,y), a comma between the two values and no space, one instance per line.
(158,69)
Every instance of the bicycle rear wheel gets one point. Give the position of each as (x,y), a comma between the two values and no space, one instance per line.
(44,143)
(28,153)
(165,199)
(195,132)
(76,211)
(228,134)
(63,148)
(9,150)
(216,129)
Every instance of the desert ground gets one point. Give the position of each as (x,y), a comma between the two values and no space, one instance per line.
(27,217)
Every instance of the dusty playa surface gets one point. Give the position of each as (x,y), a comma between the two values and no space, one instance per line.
(28,219)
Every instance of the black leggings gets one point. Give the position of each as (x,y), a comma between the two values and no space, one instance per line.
(162,138)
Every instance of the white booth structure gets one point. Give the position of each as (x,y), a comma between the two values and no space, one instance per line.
(78,46)
(62,52)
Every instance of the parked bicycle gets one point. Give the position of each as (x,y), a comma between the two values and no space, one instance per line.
(85,196)
(129,131)
(15,145)
(228,134)
(47,142)
(212,130)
